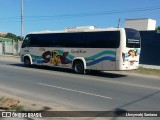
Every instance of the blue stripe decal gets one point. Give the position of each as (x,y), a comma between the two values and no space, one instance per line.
(39,61)
(36,57)
(108,52)
(68,60)
(101,59)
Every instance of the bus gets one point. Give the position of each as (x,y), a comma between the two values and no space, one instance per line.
(83,48)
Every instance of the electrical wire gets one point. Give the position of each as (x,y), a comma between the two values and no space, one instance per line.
(88,14)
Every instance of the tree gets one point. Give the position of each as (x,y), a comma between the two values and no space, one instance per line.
(12,36)
(158,28)
(20,38)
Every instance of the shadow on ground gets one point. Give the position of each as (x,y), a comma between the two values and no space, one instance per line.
(66,70)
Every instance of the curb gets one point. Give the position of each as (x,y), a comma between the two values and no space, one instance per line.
(10,58)
(150,66)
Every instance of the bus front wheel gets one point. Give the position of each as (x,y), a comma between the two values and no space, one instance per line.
(27,62)
(78,67)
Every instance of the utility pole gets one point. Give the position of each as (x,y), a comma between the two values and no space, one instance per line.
(119,21)
(22,19)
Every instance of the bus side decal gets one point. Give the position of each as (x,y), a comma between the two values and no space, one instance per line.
(100,60)
(131,52)
(108,52)
(60,57)
(54,57)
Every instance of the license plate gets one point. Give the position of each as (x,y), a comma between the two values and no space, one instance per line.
(131,63)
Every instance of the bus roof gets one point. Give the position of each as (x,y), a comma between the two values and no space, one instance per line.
(78,29)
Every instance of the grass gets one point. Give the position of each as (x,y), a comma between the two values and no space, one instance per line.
(3,99)
(16,108)
(148,71)
(12,108)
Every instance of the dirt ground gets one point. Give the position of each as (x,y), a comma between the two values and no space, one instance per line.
(37,106)
(30,105)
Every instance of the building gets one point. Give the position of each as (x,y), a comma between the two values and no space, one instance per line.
(3,34)
(141,24)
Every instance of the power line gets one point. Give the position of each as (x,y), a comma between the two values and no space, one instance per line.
(9,18)
(40,18)
(101,12)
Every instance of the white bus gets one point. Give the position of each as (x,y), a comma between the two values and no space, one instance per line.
(83,49)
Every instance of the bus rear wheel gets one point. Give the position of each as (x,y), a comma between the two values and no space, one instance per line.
(27,62)
(78,67)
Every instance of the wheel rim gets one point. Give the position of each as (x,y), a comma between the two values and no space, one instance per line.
(79,68)
(27,62)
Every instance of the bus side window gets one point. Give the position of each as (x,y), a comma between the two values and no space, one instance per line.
(26,42)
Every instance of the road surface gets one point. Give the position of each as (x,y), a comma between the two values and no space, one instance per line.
(93,92)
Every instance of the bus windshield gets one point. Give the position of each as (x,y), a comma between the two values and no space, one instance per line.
(132,38)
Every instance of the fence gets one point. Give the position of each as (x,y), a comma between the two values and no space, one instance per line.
(150,48)
(10,48)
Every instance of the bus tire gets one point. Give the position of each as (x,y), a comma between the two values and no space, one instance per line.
(27,62)
(78,67)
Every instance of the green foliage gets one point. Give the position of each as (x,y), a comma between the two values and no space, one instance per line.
(13,37)
(3,99)
(148,71)
(158,28)
(20,38)
(12,108)
(16,108)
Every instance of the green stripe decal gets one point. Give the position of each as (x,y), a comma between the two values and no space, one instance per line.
(101,54)
(69,56)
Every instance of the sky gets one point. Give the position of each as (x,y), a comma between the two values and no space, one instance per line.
(42,15)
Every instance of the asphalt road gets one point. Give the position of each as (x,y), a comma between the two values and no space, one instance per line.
(94,92)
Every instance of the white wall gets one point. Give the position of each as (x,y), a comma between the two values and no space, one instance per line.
(1,49)
(151,24)
(140,24)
